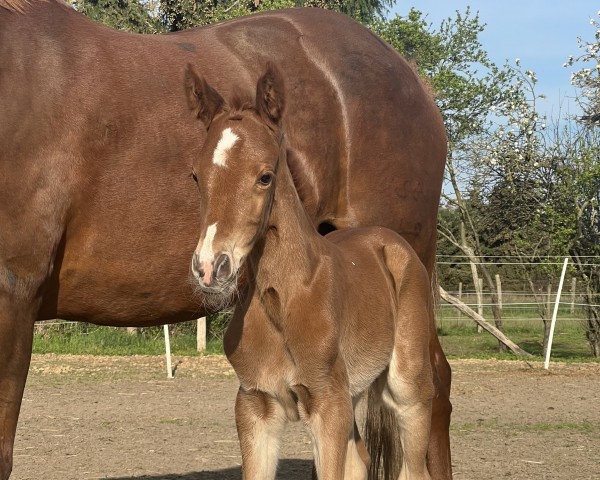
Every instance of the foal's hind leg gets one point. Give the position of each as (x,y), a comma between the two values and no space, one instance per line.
(357,457)
(408,392)
(16,335)
(260,420)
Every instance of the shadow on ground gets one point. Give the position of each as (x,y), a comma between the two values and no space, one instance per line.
(288,469)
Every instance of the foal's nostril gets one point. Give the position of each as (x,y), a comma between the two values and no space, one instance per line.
(223,267)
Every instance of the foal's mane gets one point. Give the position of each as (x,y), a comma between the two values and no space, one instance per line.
(241,100)
(18,6)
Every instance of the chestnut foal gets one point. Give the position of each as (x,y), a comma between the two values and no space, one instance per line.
(319,320)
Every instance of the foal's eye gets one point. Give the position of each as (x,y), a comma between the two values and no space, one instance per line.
(194,176)
(265,179)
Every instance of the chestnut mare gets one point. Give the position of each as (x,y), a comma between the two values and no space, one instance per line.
(97,142)
(320,320)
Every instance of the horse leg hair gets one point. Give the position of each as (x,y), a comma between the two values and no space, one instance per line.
(16,338)
(438,455)
(260,420)
(329,417)
(357,457)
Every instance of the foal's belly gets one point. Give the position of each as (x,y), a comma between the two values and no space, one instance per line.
(364,369)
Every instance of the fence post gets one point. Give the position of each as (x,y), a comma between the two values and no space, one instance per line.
(201,334)
(573,288)
(555,313)
(460,298)
(499,290)
(168,351)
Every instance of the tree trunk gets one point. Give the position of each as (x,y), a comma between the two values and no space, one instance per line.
(481,321)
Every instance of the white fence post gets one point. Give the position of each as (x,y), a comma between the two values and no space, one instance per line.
(201,334)
(168,351)
(555,313)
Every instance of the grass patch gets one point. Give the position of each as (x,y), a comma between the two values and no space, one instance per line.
(84,339)
(584,427)
(460,339)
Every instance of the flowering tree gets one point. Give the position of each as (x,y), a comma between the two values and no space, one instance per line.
(587,79)
(538,185)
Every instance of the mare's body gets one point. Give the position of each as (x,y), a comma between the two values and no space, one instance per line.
(96,148)
(320,320)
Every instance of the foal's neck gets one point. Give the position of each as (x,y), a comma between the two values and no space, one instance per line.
(290,249)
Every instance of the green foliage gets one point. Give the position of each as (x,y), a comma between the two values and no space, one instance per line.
(129,15)
(183,14)
(465,82)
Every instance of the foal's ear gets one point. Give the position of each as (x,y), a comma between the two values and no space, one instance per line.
(202,99)
(270,95)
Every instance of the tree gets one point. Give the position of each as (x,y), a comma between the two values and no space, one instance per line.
(588,79)
(183,14)
(467,86)
(129,15)
(574,213)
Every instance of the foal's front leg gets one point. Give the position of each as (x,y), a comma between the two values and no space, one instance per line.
(260,420)
(327,411)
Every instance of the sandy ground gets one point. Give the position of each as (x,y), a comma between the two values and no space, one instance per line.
(120,418)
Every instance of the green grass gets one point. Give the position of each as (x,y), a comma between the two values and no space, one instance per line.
(83,339)
(585,427)
(459,339)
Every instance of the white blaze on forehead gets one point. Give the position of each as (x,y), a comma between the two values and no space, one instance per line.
(226,143)
(205,250)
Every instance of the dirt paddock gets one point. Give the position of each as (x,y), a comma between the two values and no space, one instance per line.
(120,418)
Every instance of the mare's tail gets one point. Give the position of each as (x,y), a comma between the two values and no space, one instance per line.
(382,438)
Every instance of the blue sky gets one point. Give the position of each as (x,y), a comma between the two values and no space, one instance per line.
(542,34)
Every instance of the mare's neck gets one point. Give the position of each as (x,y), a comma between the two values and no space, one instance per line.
(290,249)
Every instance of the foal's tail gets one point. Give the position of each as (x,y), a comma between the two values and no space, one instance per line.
(382,438)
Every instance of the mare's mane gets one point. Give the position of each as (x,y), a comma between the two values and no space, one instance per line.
(19,6)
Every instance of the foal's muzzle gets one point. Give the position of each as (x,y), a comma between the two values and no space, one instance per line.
(212,274)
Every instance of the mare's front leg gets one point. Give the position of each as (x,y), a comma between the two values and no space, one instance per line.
(260,420)
(16,336)
(438,454)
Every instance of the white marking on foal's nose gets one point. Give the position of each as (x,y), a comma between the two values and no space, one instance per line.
(225,144)
(206,249)
(205,254)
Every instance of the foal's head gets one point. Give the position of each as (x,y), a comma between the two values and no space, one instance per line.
(235,173)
